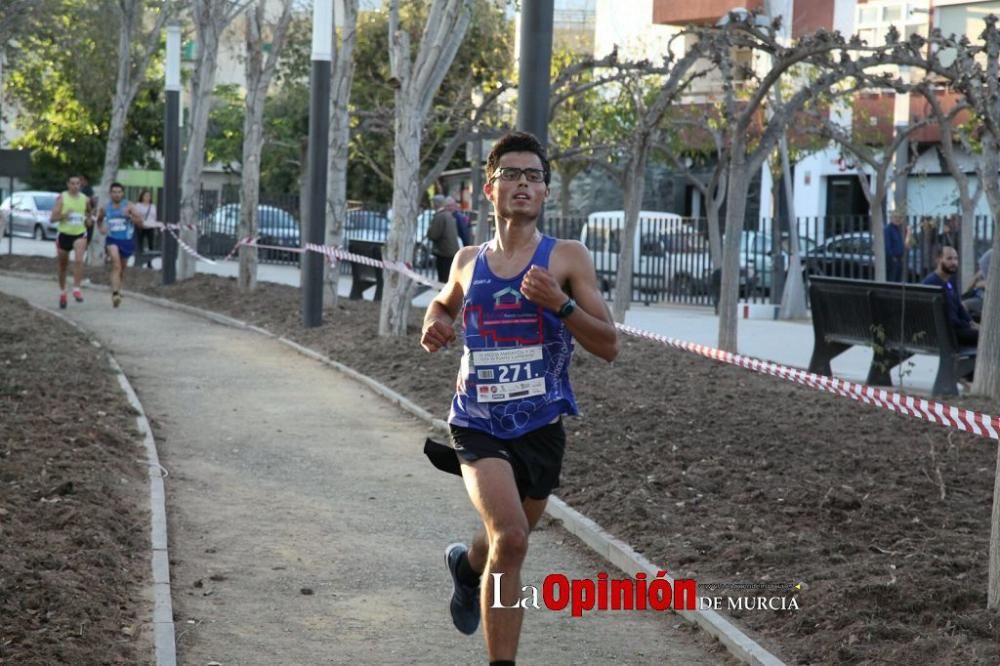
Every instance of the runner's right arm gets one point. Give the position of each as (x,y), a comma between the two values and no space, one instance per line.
(438,329)
(57,214)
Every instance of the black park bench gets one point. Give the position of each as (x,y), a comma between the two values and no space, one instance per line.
(896,320)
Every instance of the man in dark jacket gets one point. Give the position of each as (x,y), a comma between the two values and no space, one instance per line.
(443,234)
(966,330)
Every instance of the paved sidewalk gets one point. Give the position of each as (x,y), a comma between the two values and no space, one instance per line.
(305,525)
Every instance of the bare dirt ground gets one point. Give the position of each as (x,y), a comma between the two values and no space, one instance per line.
(727,476)
(74,515)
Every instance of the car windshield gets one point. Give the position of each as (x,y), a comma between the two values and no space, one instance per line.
(45,201)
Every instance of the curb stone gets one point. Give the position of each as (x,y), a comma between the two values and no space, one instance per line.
(164,645)
(610,548)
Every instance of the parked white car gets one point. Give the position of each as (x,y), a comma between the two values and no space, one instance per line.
(671,254)
(28,214)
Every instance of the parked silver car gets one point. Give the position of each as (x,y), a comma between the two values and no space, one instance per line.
(28,214)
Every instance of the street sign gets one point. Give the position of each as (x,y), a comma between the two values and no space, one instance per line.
(15,163)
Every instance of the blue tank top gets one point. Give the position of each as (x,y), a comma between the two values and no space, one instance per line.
(514,376)
(120,227)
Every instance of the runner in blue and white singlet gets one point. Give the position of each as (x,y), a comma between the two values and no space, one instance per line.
(514,376)
(526,299)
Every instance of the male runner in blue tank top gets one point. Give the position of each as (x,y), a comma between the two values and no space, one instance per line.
(118,220)
(525,297)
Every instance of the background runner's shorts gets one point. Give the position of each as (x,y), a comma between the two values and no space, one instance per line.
(125,247)
(65,241)
(536,456)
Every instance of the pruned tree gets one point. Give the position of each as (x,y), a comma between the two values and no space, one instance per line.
(416,80)
(210,19)
(678,73)
(260,70)
(835,59)
(695,147)
(136,47)
(341,78)
(972,69)
(952,131)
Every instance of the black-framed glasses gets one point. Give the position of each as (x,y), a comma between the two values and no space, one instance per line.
(514,174)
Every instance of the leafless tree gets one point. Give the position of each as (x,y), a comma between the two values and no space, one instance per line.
(341,76)
(136,46)
(416,81)
(835,59)
(210,19)
(259,72)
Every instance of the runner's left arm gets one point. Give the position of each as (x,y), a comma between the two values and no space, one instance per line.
(133,212)
(590,323)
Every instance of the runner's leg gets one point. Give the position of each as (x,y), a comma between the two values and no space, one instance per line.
(79,255)
(479,548)
(493,491)
(116,267)
(62,263)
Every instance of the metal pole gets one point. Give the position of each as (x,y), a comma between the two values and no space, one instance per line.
(319,130)
(10,218)
(535,63)
(172,152)
(476,163)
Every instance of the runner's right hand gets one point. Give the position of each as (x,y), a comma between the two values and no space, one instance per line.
(436,335)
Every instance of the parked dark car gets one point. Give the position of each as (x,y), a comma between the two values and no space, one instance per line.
(372,226)
(851,256)
(219,230)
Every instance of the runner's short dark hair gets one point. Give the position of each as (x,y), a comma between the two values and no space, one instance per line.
(116,184)
(516,142)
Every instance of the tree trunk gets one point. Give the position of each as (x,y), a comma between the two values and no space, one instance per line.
(993,594)
(736,198)
(210,19)
(713,205)
(635,185)
(987,376)
(793,299)
(112,155)
(416,81)
(259,74)
(878,234)
(566,180)
(405,198)
(341,77)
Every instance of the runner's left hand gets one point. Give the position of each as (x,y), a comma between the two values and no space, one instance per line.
(541,288)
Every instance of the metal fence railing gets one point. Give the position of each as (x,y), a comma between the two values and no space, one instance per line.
(671,259)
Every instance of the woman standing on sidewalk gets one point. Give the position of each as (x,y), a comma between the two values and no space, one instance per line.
(147,211)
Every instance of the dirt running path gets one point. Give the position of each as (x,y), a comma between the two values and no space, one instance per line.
(305,525)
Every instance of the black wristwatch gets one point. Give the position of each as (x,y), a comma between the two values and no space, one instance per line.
(566,309)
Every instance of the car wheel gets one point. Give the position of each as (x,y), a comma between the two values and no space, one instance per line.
(39,232)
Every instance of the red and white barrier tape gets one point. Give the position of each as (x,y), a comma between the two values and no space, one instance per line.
(187,248)
(936,412)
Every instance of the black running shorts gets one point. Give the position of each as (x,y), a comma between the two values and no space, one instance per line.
(535,457)
(65,241)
